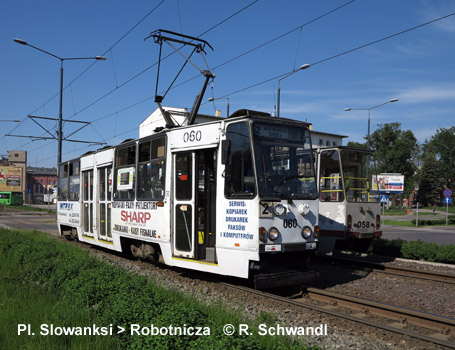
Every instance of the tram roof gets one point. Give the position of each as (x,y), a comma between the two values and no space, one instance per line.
(240,114)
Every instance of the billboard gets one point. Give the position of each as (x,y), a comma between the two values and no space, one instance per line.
(388,183)
(10,179)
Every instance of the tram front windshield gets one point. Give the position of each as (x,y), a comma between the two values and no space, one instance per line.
(355,172)
(284,162)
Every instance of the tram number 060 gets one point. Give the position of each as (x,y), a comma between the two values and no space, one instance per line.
(289,223)
(191,136)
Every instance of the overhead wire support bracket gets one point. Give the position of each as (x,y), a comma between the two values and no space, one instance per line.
(199,46)
(55,137)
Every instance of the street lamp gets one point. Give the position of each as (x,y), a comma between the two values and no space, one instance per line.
(60,115)
(211,99)
(369,112)
(302,67)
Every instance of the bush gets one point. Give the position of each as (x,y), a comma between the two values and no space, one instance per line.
(446,254)
(386,247)
(417,250)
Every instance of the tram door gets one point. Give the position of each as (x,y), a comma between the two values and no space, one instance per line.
(194,204)
(104,200)
(87,202)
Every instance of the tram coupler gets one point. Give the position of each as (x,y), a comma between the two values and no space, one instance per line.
(279,277)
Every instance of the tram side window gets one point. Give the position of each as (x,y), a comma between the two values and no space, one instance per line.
(125,174)
(63,182)
(239,173)
(150,171)
(330,182)
(74,181)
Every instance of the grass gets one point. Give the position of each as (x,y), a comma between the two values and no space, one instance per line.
(61,284)
(28,208)
(403,211)
(31,304)
(409,223)
(395,211)
(398,223)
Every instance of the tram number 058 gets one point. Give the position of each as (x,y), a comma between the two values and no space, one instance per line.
(191,136)
(363,224)
(289,223)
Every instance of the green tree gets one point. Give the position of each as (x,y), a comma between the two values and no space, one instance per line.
(430,187)
(442,144)
(396,152)
(356,144)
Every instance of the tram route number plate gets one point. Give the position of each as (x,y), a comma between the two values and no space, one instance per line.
(265,209)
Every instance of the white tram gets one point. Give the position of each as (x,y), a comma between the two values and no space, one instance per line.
(349,213)
(235,197)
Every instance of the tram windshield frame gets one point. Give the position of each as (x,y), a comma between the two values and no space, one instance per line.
(356,181)
(284,162)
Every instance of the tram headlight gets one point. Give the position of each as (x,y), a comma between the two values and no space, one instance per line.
(273,233)
(262,234)
(306,232)
(279,209)
(316,232)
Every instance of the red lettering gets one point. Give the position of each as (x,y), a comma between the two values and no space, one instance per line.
(140,217)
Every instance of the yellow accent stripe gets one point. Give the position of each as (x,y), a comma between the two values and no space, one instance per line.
(107,242)
(88,237)
(332,191)
(331,177)
(201,237)
(195,261)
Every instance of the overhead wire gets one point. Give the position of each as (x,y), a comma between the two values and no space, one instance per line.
(140,73)
(343,53)
(312,64)
(92,64)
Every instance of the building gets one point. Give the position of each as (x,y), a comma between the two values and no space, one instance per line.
(325,139)
(40,182)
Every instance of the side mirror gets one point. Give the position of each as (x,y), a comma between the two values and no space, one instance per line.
(225,151)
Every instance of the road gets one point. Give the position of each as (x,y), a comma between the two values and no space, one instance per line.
(30,221)
(434,234)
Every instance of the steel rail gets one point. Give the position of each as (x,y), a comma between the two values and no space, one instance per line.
(400,316)
(390,269)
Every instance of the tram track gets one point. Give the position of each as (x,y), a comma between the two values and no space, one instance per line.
(389,269)
(435,329)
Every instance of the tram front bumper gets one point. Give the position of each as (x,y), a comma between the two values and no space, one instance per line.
(288,247)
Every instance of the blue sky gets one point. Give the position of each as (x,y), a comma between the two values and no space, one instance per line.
(416,67)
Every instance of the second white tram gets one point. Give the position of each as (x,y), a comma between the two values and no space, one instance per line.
(234,197)
(349,213)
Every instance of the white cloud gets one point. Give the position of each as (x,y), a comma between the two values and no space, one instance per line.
(427,94)
(431,11)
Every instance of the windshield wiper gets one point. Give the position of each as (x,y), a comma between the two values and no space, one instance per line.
(281,190)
